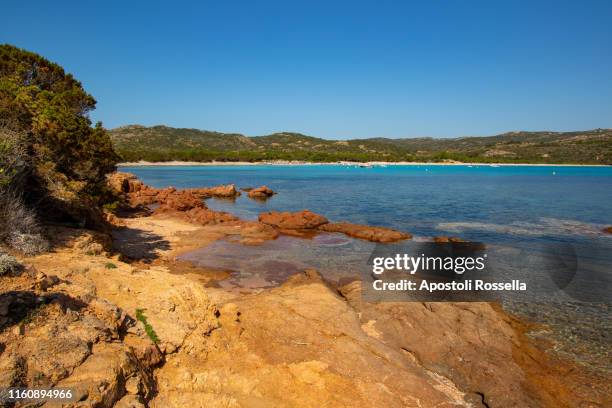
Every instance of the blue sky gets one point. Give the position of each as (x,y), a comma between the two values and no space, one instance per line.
(334,69)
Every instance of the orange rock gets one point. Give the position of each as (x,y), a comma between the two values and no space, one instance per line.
(205,216)
(223,191)
(179,201)
(375,234)
(608,230)
(122,183)
(256,233)
(145,195)
(261,193)
(297,220)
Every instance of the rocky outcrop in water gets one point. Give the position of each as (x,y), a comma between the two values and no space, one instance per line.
(181,200)
(186,204)
(138,193)
(256,233)
(261,193)
(293,220)
(460,243)
(224,191)
(608,230)
(374,234)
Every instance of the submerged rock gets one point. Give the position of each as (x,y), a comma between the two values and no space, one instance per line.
(205,216)
(261,193)
(459,242)
(256,233)
(293,221)
(374,234)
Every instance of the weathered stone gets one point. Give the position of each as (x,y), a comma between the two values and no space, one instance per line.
(459,242)
(223,191)
(255,233)
(375,234)
(261,193)
(130,401)
(180,201)
(290,221)
(47,282)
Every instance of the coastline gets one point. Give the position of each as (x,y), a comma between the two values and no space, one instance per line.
(168,333)
(345,163)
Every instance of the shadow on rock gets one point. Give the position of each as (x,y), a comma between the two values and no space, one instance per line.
(139,244)
(17,306)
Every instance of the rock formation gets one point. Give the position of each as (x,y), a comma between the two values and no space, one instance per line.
(375,234)
(226,191)
(293,221)
(460,243)
(261,193)
(137,193)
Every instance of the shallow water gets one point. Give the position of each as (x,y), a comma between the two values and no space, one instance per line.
(270,264)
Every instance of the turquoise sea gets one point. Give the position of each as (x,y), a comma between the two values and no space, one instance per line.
(506,203)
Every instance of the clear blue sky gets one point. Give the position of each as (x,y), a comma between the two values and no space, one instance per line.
(334,69)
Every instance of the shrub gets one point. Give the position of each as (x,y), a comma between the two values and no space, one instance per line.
(9,265)
(51,157)
(110,265)
(29,244)
(112,207)
(19,226)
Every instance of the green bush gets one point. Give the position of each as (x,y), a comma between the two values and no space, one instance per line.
(53,162)
(9,265)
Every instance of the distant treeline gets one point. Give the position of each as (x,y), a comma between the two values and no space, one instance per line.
(161,143)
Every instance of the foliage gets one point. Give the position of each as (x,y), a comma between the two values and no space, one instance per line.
(110,265)
(140,316)
(162,143)
(9,265)
(52,159)
(112,207)
(28,243)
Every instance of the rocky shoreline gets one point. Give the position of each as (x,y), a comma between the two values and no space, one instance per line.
(120,320)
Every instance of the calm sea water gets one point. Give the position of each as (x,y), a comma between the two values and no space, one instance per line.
(518,211)
(479,202)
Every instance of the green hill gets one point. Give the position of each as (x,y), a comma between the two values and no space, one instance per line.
(162,143)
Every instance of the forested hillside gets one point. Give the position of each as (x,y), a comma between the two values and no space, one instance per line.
(162,143)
